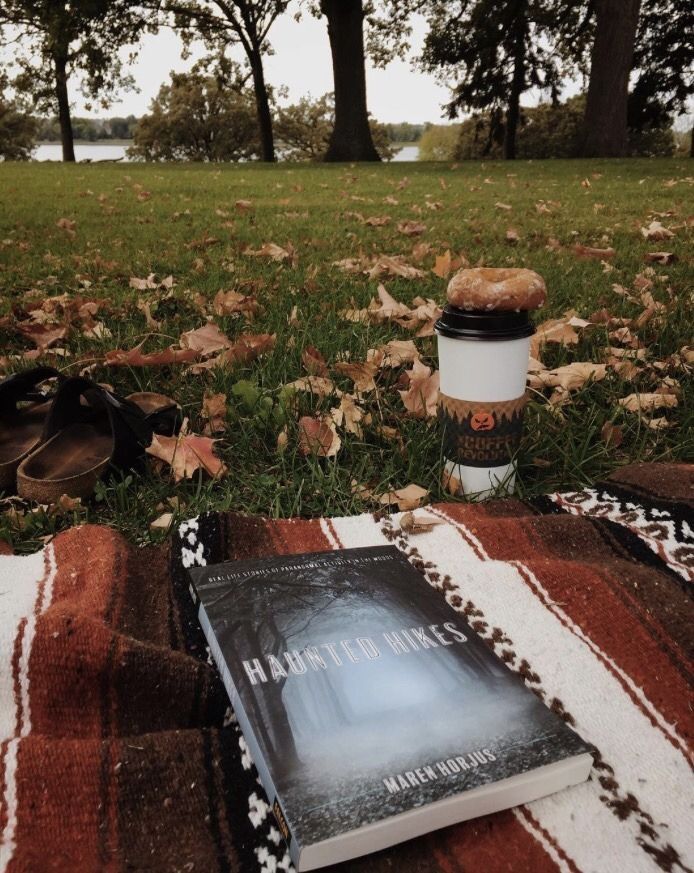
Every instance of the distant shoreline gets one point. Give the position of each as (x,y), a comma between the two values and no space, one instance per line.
(88,142)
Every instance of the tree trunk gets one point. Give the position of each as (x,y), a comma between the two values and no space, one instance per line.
(262,103)
(517,88)
(351,137)
(691,144)
(605,123)
(61,95)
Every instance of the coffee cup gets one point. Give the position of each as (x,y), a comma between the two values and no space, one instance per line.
(483,365)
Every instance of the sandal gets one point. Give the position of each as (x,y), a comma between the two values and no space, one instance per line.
(161,412)
(88,432)
(21,426)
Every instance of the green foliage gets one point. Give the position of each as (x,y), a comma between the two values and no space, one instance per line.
(303,130)
(84,35)
(203,115)
(404,131)
(89,129)
(550,131)
(18,129)
(439,142)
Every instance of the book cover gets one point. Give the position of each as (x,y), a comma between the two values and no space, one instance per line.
(363,695)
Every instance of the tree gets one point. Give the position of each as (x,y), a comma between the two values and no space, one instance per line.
(438,142)
(498,51)
(243,22)
(204,115)
(18,129)
(66,36)
(616,22)
(305,130)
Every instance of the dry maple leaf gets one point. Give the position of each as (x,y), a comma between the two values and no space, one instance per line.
(421,398)
(415,524)
(557,330)
(202,243)
(361,373)
(612,435)
(573,376)
(591,252)
(214,411)
(145,307)
(446,263)
(394,354)
(42,335)
(663,258)
(231,302)
(512,236)
(648,402)
(243,205)
(186,454)
(393,265)
(147,284)
(410,497)
(162,522)
(67,224)
(318,385)
(245,348)
(655,230)
(273,252)
(411,228)
(349,415)
(206,340)
(135,357)
(314,362)
(386,308)
(318,436)
(377,220)
(505,206)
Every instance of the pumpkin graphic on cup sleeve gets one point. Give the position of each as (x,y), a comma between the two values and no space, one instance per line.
(482,420)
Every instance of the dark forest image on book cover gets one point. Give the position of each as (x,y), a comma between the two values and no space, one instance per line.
(368,695)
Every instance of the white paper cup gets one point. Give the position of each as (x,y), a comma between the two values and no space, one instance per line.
(483,362)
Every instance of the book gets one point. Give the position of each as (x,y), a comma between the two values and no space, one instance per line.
(372,711)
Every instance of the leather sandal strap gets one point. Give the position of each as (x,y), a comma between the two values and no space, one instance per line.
(21,387)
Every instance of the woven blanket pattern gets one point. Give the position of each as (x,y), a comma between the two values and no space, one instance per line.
(118,751)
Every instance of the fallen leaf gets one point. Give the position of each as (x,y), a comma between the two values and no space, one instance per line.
(135,357)
(512,236)
(655,231)
(214,411)
(314,362)
(145,307)
(415,524)
(555,330)
(206,340)
(591,252)
(648,402)
(573,376)
(243,205)
(231,302)
(659,423)
(361,373)
(611,435)
(273,252)
(421,398)
(245,348)
(42,335)
(67,224)
(349,415)
(505,206)
(318,385)
(186,454)
(663,258)
(377,220)
(394,353)
(410,497)
(162,522)
(411,228)
(318,436)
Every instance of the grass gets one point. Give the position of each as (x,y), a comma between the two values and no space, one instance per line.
(133,220)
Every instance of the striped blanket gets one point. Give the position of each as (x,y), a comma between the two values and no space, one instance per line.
(118,750)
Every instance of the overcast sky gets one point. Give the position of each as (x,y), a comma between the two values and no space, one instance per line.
(301,63)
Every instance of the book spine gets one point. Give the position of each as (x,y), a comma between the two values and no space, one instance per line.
(249,735)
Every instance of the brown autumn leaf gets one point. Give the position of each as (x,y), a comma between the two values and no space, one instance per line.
(663,258)
(245,348)
(447,263)
(656,231)
(393,265)
(415,524)
(136,358)
(232,302)
(318,385)
(206,340)
(410,497)
(67,224)
(162,522)
(314,362)
(145,307)
(512,236)
(186,454)
(273,252)
(420,251)
(202,243)
(43,336)
(361,373)
(387,307)
(318,436)
(350,415)
(648,401)
(505,206)
(147,284)
(243,205)
(592,252)
(214,411)
(394,354)
(572,376)
(612,435)
(411,228)
(377,220)
(421,398)
(557,330)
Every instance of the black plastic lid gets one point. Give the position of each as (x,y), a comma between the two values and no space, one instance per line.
(476,324)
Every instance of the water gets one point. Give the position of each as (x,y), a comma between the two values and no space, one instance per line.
(110,152)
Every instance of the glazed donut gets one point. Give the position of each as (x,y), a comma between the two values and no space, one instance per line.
(485,288)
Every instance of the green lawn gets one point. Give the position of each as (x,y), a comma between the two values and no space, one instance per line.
(133,220)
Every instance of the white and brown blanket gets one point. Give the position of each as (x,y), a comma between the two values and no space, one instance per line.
(118,750)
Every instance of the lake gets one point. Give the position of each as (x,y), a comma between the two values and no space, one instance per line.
(108,152)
